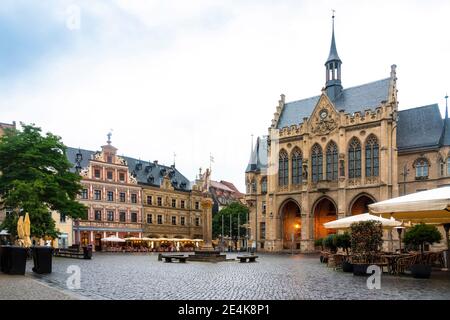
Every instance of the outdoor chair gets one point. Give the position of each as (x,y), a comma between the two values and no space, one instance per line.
(404,263)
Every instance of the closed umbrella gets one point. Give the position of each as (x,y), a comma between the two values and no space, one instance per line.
(20,232)
(27,230)
(345,223)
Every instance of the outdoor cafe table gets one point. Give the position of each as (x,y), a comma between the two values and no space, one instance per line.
(392,259)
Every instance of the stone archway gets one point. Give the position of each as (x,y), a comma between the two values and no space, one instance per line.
(290,224)
(360,204)
(324,211)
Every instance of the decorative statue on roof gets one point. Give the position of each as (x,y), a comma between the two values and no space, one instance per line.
(206,181)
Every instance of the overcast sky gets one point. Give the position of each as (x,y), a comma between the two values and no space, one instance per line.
(194,77)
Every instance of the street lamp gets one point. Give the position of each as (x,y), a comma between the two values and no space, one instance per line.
(399,231)
(296,227)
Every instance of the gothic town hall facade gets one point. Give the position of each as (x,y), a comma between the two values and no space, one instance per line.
(330,156)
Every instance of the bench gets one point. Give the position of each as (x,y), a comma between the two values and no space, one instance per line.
(250,258)
(72,253)
(179,257)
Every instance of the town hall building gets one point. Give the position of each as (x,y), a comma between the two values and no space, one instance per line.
(330,156)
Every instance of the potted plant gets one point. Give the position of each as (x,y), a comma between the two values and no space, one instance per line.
(344,242)
(366,241)
(329,246)
(420,235)
(319,243)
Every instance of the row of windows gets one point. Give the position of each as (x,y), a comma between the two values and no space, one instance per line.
(122,197)
(109,196)
(331,162)
(109,175)
(159,220)
(111,216)
(173,202)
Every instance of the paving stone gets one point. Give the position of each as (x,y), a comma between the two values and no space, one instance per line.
(142,276)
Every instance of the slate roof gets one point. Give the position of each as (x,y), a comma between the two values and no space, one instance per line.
(351,100)
(258,156)
(421,127)
(143,170)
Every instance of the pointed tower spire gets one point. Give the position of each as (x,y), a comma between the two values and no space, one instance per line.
(446,107)
(253,159)
(333,84)
(445,137)
(333,55)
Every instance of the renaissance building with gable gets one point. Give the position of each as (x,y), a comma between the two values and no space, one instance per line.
(331,155)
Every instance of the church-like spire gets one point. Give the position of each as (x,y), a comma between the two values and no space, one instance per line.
(333,84)
(446,107)
(252,162)
(333,55)
(445,137)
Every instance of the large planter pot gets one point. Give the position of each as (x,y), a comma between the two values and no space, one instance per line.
(347,266)
(360,269)
(421,271)
(13,260)
(42,258)
(87,251)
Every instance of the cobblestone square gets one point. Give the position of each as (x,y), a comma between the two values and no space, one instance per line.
(142,276)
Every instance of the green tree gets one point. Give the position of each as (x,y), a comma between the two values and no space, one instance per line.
(35,177)
(421,234)
(235,210)
(366,240)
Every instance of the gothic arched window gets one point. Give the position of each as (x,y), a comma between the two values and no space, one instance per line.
(283,168)
(421,166)
(332,161)
(317,163)
(448,166)
(253,185)
(297,161)
(354,159)
(372,157)
(264,185)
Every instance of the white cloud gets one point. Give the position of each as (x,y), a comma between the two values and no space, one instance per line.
(169,78)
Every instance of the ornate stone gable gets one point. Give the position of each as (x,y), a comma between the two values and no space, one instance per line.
(324,119)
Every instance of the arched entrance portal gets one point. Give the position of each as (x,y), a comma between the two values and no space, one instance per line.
(324,211)
(291,225)
(361,204)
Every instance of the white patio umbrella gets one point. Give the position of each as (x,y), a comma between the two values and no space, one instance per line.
(133,239)
(345,223)
(430,206)
(112,239)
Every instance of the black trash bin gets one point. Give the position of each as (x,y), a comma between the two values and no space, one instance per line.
(42,258)
(87,252)
(13,260)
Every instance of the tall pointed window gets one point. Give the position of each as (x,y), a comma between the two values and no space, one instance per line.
(297,161)
(317,163)
(372,157)
(332,162)
(421,166)
(448,166)
(264,185)
(283,168)
(354,159)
